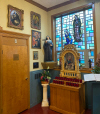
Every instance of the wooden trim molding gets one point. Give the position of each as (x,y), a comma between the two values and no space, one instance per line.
(37,4)
(53,7)
(62,4)
(94,26)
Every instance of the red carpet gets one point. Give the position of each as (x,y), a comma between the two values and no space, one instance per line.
(40,110)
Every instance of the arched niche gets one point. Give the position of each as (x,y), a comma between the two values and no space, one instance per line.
(69,58)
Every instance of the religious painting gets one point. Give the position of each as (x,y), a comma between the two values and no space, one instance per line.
(35,20)
(36,65)
(69,61)
(36,39)
(77,29)
(15,17)
(35,55)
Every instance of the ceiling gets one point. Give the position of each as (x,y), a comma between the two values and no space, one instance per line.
(49,3)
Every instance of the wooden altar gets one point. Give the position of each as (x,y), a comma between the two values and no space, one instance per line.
(67,92)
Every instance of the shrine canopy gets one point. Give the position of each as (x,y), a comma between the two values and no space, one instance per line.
(69,58)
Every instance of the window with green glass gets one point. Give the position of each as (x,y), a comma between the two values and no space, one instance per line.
(86,46)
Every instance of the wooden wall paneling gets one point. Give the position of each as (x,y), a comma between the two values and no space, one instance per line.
(54,96)
(72,101)
(69,99)
(94,26)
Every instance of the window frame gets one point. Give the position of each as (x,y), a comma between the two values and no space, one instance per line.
(53,30)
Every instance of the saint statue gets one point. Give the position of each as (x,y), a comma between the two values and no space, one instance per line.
(77,29)
(48,46)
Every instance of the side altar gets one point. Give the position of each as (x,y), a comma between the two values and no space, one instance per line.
(67,92)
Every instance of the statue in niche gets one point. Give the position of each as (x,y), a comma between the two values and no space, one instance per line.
(68,39)
(48,46)
(77,29)
(69,61)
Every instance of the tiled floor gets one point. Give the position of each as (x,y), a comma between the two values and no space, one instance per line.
(40,110)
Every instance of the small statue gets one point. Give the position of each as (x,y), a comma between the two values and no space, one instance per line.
(90,62)
(77,29)
(48,46)
(67,35)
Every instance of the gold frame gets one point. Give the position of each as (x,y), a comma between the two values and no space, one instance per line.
(21,13)
(70,48)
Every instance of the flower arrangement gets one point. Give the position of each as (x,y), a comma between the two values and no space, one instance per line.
(45,75)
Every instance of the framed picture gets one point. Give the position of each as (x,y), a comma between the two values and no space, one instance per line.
(35,55)
(15,17)
(35,20)
(36,39)
(36,65)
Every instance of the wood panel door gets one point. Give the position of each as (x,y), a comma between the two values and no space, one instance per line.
(15,79)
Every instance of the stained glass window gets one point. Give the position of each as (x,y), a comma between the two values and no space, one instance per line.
(86,46)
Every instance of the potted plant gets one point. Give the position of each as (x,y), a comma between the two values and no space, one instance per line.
(45,76)
(96,69)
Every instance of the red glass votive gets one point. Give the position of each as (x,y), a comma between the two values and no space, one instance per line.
(77,85)
(59,78)
(80,81)
(66,79)
(72,84)
(56,77)
(66,83)
(62,78)
(70,79)
(63,82)
(77,80)
(69,84)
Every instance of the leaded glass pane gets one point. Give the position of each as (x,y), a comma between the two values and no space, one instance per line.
(68,24)
(82,60)
(87,43)
(58,54)
(58,34)
(91,57)
(89,29)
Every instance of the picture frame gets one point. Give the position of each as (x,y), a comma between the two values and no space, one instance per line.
(36,39)
(35,65)
(35,20)
(35,55)
(15,17)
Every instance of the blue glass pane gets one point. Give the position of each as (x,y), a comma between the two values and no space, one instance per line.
(92,53)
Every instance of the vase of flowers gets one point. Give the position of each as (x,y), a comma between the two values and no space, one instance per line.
(45,76)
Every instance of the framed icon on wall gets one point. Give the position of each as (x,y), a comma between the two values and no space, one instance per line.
(36,39)
(35,55)
(15,17)
(35,20)
(35,65)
